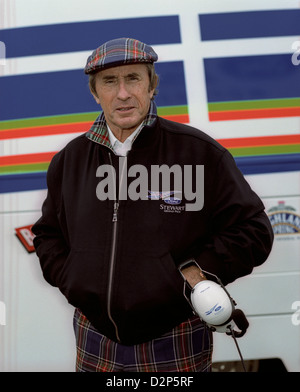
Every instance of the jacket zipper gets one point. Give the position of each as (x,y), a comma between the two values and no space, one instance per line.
(112,265)
(113,249)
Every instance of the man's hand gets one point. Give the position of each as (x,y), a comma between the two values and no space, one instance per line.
(193,275)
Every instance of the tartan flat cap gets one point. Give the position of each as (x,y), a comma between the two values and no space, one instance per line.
(119,51)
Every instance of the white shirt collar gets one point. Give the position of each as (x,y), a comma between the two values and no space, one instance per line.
(119,147)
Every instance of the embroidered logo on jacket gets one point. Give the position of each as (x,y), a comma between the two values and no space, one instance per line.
(170,198)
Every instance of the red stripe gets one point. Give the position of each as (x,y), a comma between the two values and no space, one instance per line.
(26,158)
(260,141)
(257,113)
(45,130)
(181,118)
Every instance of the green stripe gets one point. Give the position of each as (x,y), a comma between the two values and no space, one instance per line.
(265,150)
(172,110)
(248,105)
(77,117)
(42,121)
(28,168)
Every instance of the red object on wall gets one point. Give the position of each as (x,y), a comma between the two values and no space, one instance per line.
(26,236)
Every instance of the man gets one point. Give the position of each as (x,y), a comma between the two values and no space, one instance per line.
(128,203)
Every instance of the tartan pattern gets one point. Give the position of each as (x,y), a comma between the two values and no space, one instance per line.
(119,51)
(98,132)
(187,348)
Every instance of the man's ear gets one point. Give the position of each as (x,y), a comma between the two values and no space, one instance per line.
(96,97)
(153,88)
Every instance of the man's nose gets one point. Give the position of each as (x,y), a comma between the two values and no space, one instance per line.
(123,91)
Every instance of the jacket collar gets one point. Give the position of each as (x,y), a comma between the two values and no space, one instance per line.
(98,132)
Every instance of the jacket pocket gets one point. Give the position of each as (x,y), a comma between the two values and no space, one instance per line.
(81,279)
(172,274)
(147,282)
(148,297)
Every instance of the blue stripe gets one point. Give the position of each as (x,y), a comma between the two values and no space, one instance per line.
(67,92)
(268,163)
(251,78)
(23,182)
(253,24)
(248,165)
(82,36)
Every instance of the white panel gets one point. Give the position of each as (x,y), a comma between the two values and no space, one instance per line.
(22,201)
(267,337)
(32,12)
(259,294)
(285,256)
(275,184)
(38,335)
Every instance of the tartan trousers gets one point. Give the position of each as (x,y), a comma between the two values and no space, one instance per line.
(186,348)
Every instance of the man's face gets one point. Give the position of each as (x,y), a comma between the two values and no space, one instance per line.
(124,95)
